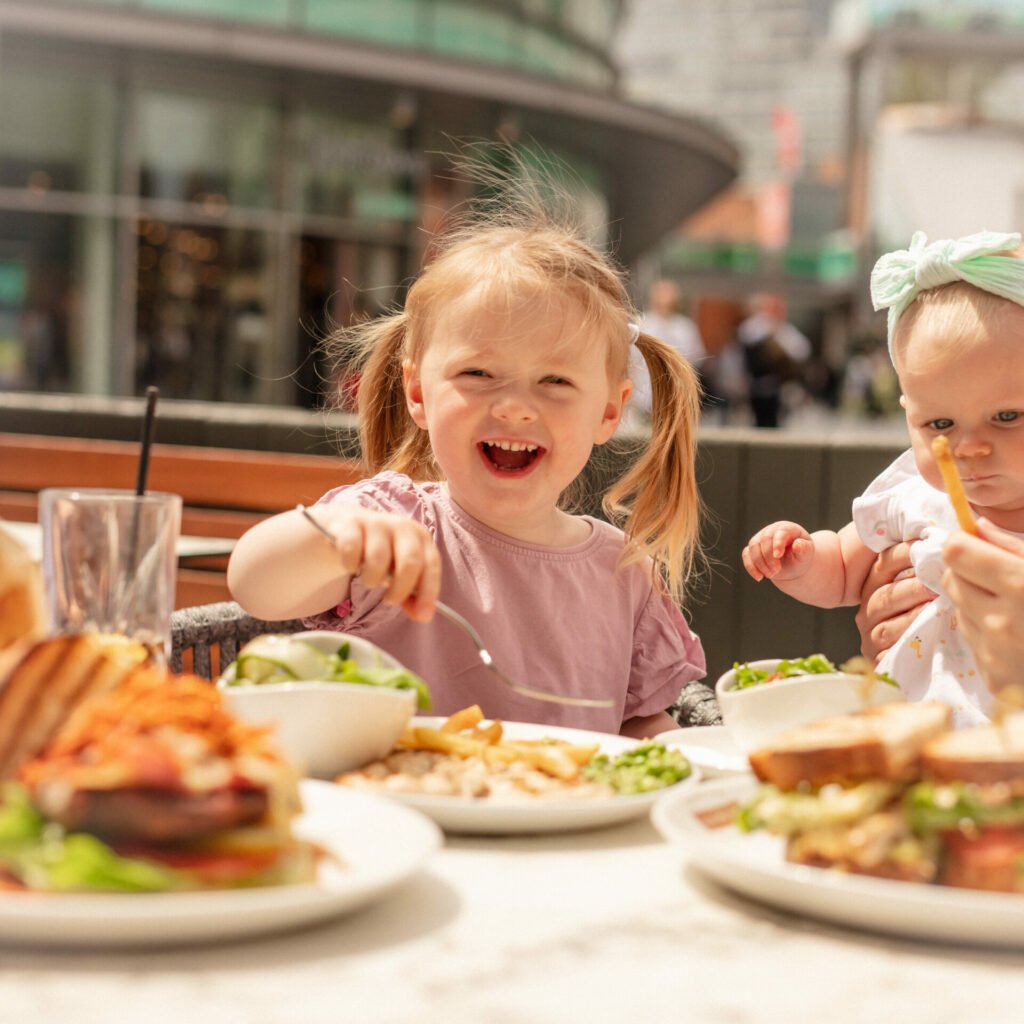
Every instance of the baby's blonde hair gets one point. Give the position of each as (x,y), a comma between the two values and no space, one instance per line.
(952,312)
(521,250)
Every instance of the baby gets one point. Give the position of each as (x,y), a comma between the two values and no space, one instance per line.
(956,338)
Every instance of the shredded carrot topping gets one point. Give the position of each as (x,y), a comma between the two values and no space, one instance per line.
(150,730)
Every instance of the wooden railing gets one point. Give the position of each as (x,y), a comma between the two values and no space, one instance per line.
(224,490)
(747,478)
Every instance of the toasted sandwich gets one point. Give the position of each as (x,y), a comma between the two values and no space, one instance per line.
(147,784)
(835,789)
(21,594)
(972,799)
(47,681)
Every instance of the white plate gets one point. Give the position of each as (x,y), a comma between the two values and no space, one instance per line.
(754,865)
(710,747)
(376,845)
(504,817)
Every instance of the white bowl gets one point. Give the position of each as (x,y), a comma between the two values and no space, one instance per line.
(324,727)
(756,714)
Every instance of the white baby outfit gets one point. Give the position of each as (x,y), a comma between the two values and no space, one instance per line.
(931,661)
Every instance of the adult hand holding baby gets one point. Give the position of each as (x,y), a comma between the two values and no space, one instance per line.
(892,597)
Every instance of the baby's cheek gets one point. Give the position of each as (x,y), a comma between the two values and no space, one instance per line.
(931,474)
(926,464)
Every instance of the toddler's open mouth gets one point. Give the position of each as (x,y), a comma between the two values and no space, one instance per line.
(510,456)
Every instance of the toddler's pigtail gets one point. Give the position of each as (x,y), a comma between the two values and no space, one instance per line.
(657,497)
(388,436)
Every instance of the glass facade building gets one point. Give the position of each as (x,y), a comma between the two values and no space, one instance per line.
(194,192)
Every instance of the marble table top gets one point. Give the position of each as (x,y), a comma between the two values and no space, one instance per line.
(607,925)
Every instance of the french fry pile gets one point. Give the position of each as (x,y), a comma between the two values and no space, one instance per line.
(464,735)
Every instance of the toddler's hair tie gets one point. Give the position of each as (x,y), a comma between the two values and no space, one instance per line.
(634,333)
(899,277)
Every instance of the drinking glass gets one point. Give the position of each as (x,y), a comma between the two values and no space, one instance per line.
(110,562)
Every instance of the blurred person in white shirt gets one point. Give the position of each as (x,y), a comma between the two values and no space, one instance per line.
(664,320)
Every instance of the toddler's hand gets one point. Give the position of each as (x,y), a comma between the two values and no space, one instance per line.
(386,549)
(781,551)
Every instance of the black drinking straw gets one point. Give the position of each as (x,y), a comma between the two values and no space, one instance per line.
(148,423)
(152,394)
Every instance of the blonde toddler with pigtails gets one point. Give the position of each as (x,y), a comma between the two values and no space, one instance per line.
(480,404)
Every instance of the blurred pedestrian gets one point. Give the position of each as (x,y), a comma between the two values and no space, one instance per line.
(774,353)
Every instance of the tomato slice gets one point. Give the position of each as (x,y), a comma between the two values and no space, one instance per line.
(994,847)
(214,868)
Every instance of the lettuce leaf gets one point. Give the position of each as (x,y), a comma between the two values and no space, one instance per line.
(814,664)
(348,670)
(45,857)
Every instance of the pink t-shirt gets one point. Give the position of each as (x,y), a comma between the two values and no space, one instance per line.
(556,618)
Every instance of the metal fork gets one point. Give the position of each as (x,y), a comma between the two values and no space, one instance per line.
(485,656)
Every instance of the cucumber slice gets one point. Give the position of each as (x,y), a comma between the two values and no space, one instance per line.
(254,669)
(275,658)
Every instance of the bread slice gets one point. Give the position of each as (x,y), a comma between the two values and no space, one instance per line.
(21,593)
(50,680)
(882,742)
(982,754)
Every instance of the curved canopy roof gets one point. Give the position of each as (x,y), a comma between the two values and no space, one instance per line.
(657,167)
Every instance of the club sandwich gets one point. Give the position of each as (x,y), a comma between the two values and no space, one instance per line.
(972,798)
(836,790)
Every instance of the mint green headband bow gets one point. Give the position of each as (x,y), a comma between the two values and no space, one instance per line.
(899,277)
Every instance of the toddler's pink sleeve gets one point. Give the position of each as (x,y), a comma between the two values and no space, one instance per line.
(666,656)
(385,492)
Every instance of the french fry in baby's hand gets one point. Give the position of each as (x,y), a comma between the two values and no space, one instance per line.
(953,484)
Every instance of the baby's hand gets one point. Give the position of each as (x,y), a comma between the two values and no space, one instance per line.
(780,551)
(387,549)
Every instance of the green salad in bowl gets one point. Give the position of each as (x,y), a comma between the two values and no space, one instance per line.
(760,699)
(814,664)
(335,701)
(321,657)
